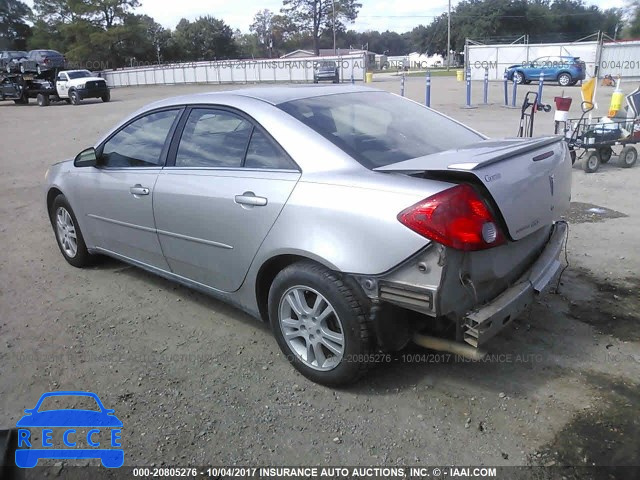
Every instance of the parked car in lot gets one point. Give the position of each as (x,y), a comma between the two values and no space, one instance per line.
(564,70)
(326,70)
(77,85)
(9,60)
(39,61)
(350,219)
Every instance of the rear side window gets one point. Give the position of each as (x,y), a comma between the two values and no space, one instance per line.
(263,152)
(379,129)
(213,138)
(140,143)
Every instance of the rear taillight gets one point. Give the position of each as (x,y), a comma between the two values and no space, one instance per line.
(456,217)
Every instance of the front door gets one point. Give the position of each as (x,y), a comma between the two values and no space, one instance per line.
(118,196)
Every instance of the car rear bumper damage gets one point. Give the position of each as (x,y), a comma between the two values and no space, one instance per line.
(480,325)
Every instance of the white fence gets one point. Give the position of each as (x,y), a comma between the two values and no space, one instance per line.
(620,58)
(496,58)
(234,71)
(614,58)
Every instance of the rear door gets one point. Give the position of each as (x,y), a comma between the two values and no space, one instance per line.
(220,197)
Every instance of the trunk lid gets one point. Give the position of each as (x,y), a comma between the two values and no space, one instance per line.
(528,179)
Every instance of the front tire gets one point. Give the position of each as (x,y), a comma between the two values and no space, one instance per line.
(592,163)
(68,234)
(320,324)
(519,78)
(106,97)
(74,97)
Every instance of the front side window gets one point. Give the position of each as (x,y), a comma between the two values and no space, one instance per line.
(140,143)
(379,129)
(213,138)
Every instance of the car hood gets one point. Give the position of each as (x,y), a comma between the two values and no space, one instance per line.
(86,79)
(69,418)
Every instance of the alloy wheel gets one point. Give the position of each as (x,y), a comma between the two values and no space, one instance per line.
(66,231)
(311,328)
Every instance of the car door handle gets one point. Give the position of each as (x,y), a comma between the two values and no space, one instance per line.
(139,190)
(250,199)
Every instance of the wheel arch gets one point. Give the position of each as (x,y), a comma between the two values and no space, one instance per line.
(268,271)
(51,196)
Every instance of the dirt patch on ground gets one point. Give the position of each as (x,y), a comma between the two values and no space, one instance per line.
(580,212)
(612,308)
(607,435)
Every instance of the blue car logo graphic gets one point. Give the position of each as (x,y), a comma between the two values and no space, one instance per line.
(29,451)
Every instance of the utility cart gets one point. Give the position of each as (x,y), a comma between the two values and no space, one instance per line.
(597,139)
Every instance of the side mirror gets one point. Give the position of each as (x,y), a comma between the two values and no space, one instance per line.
(86,158)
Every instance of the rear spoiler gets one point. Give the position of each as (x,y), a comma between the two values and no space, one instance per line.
(477,155)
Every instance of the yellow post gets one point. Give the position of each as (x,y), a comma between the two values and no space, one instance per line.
(460,75)
(368,78)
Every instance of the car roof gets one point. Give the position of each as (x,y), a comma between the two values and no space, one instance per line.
(272,95)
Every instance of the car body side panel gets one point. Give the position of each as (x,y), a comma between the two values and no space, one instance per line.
(352,229)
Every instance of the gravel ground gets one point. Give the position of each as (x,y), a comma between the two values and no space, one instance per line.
(197,382)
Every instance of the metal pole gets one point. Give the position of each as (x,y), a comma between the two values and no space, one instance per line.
(486,85)
(506,88)
(468,86)
(333,8)
(449,37)
(540,85)
(402,85)
(427,100)
(515,91)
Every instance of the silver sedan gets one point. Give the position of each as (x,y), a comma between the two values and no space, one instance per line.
(351,219)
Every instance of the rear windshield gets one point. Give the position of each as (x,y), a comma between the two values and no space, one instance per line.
(378,128)
(328,64)
(50,52)
(17,54)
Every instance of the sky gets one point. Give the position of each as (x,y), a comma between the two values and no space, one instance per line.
(399,16)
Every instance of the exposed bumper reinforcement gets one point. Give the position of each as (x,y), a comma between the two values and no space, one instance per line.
(482,324)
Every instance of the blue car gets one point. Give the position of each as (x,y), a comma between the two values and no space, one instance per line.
(564,70)
(103,419)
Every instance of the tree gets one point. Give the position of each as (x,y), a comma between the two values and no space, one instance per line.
(262,28)
(13,28)
(207,38)
(317,16)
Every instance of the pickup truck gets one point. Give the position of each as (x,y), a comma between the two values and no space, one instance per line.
(72,86)
(76,85)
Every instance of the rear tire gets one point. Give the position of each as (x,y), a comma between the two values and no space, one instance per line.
(328,348)
(564,79)
(68,235)
(106,97)
(605,154)
(592,163)
(628,156)
(43,100)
